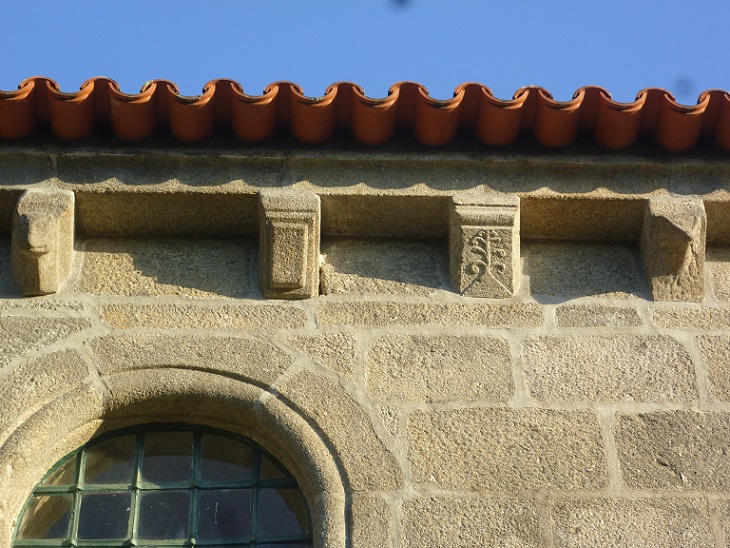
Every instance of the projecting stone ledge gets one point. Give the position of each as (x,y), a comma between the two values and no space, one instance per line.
(673,248)
(289,234)
(484,244)
(42,246)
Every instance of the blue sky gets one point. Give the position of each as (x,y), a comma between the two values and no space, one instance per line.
(561,45)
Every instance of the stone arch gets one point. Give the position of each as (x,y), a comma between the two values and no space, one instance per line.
(174,395)
(344,424)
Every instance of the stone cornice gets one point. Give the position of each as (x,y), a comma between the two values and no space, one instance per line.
(148,191)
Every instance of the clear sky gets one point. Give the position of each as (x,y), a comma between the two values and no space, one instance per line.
(621,45)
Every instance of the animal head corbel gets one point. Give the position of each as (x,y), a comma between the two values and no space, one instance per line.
(42,240)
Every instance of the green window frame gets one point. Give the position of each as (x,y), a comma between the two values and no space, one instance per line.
(170,484)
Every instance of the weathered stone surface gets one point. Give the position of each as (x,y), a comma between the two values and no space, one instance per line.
(42,240)
(245,358)
(673,248)
(428,368)
(6,285)
(391,417)
(469,522)
(169,171)
(596,315)
(386,314)
(335,351)
(35,382)
(585,215)
(715,353)
(718,263)
(20,334)
(690,318)
(192,213)
(375,267)
(590,368)
(190,268)
(385,215)
(289,234)
(654,522)
(506,449)
(372,524)
(184,316)
(366,461)
(580,270)
(23,166)
(30,443)
(674,450)
(50,303)
(37,444)
(724,516)
(484,244)
(718,231)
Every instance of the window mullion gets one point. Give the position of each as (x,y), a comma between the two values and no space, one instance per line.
(255,468)
(76,504)
(194,499)
(136,497)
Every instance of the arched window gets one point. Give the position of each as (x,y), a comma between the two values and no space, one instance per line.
(168,486)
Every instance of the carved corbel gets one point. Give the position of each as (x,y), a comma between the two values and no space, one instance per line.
(289,228)
(673,248)
(42,242)
(485,244)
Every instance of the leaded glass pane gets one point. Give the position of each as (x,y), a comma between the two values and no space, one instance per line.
(164,514)
(111,461)
(224,459)
(46,518)
(168,457)
(225,514)
(62,475)
(281,512)
(104,515)
(269,470)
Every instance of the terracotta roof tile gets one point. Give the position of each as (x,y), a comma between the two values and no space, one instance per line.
(39,102)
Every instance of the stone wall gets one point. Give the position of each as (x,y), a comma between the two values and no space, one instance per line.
(578,412)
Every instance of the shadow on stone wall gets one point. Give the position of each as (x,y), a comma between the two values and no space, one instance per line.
(560,271)
(197,268)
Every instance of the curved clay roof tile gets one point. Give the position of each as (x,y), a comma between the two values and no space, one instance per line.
(499,122)
(616,125)
(372,120)
(721,132)
(678,127)
(556,123)
(408,107)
